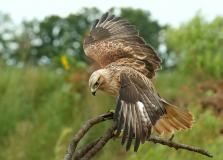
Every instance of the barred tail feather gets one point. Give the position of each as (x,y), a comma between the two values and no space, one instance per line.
(175,119)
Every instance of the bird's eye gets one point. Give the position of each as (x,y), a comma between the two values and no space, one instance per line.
(96,84)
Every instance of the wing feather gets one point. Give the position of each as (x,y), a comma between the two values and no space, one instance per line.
(137,131)
(131,134)
(132,106)
(112,38)
(126,125)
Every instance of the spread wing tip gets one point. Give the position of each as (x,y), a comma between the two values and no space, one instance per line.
(107,16)
(95,24)
(101,20)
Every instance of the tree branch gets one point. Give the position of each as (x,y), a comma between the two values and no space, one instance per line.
(87,148)
(101,143)
(92,148)
(84,129)
(177,146)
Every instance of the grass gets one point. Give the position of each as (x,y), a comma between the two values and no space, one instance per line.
(41,109)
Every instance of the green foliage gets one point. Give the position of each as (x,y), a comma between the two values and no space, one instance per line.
(7,43)
(41,109)
(198,46)
(43,42)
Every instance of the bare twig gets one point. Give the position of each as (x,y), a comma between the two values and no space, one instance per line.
(84,129)
(91,149)
(177,146)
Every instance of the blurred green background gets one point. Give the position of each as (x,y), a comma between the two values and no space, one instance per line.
(44,96)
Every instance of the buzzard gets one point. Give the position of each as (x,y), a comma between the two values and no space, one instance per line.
(127,65)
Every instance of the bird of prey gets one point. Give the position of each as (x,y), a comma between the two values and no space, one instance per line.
(127,65)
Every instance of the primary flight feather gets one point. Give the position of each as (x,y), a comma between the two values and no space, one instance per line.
(127,64)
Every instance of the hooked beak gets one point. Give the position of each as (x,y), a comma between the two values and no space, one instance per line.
(93,91)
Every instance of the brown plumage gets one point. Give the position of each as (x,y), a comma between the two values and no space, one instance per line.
(127,65)
(112,38)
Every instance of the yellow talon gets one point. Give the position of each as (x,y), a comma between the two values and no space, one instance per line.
(118,136)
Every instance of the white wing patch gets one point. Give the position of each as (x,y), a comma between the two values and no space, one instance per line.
(140,105)
(142,111)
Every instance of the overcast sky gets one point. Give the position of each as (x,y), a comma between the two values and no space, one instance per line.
(172,12)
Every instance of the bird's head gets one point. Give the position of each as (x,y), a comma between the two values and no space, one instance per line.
(96,81)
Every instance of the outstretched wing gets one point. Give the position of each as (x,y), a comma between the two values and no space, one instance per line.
(112,38)
(138,109)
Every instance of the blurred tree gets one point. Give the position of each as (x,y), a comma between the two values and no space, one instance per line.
(27,40)
(41,42)
(198,46)
(7,43)
(149,29)
(55,36)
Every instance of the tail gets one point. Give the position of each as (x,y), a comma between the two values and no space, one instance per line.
(175,119)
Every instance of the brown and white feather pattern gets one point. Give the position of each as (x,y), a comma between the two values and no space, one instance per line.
(140,111)
(127,64)
(112,38)
(138,107)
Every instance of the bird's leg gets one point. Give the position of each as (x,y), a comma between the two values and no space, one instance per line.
(171,138)
(112,111)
